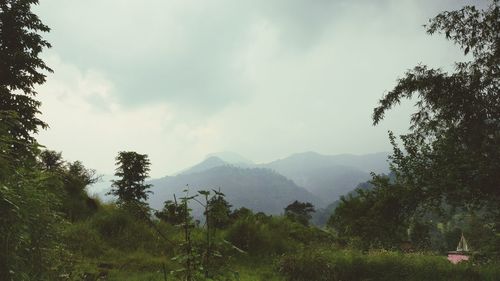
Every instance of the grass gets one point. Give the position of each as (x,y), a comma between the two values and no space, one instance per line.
(141,266)
(115,245)
(382,265)
(257,269)
(311,265)
(135,276)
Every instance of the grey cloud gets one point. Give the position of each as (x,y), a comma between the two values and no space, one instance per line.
(189,60)
(265,78)
(185,52)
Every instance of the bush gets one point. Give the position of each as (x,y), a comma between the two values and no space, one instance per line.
(83,239)
(123,230)
(30,229)
(259,237)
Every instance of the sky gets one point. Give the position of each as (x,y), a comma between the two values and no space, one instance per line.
(180,79)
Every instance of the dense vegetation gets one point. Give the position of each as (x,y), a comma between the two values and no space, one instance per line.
(444,181)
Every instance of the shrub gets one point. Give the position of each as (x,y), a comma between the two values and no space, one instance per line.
(260,237)
(82,238)
(123,230)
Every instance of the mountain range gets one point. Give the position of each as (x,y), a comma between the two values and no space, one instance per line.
(329,176)
(261,190)
(269,187)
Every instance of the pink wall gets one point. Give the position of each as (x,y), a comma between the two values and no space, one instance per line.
(456,258)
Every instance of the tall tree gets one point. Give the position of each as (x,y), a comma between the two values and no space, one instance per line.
(132,170)
(30,248)
(21,70)
(452,151)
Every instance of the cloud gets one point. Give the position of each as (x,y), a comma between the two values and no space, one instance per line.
(86,132)
(177,51)
(180,79)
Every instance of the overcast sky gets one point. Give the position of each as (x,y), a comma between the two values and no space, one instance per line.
(178,80)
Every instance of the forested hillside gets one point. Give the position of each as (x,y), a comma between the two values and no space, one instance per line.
(260,190)
(325,178)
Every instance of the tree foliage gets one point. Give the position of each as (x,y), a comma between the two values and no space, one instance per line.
(132,170)
(219,210)
(300,212)
(30,221)
(452,151)
(21,69)
(171,213)
(376,217)
(450,157)
(69,180)
(51,160)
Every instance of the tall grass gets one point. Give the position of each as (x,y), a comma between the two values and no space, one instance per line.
(333,265)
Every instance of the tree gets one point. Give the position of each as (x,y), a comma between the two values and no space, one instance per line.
(172,213)
(7,158)
(449,159)
(452,151)
(299,212)
(30,248)
(21,70)
(51,160)
(192,267)
(376,217)
(68,180)
(79,176)
(132,170)
(240,213)
(220,210)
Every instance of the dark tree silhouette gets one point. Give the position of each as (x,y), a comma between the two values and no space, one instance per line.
(375,217)
(132,170)
(300,212)
(453,149)
(450,156)
(220,210)
(21,70)
(172,213)
(51,160)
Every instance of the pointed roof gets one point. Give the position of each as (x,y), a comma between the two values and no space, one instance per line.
(462,245)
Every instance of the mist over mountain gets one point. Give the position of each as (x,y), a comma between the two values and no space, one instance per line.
(269,187)
(329,176)
(231,158)
(255,188)
(219,159)
(207,164)
(373,162)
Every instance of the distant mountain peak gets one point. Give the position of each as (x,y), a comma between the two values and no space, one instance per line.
(213,159)
(306,154)
(208,163)
(230,157)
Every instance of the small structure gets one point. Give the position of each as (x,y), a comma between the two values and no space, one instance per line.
(461,254)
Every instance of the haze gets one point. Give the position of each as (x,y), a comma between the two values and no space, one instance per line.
(178,80)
